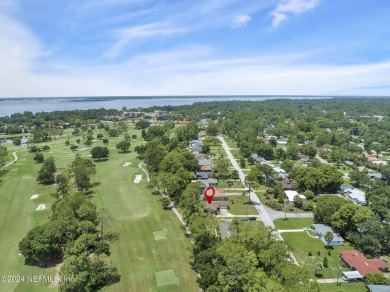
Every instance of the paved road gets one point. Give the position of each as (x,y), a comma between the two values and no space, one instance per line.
(277,214)
(327,281)
(254,198)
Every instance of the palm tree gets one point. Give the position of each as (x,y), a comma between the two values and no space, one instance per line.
(328,237)
(318,267)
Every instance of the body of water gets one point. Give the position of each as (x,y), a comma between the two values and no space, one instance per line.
(9,106)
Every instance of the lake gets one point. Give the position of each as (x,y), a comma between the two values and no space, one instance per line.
(9,106)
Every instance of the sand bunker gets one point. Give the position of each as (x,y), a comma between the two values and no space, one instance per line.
(126,164)
(138,178)
(41,207)
(33,197)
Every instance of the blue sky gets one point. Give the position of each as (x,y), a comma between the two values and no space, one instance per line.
(214,47)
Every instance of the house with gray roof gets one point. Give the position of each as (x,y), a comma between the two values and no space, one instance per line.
(357,196)
(322,229)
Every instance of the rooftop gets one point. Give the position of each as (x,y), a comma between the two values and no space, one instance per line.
(358,261)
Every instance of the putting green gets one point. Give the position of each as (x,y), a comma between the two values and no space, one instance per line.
(167,277)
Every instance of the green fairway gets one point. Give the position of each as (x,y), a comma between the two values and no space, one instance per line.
(302,244)
(293,223)
(17,216)
(151,239)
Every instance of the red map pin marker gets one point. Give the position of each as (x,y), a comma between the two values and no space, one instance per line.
(209,193)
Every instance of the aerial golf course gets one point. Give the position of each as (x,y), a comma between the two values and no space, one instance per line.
(151,252)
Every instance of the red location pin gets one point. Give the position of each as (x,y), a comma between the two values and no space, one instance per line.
(209,193)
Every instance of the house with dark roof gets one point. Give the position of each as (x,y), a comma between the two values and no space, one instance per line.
(322,229)
(219,202)
(204,174)
(358,262)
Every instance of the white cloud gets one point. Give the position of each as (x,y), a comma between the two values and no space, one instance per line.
(240,20)
(126,36)
(287,8)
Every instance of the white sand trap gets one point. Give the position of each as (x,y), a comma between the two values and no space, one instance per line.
(41,207)
(126,164)
(33,197)
(138,178)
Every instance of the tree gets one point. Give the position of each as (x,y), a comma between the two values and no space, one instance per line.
(39,158)
(222,168)
(326,206)
(376,279)
(17,141)
(99,152)
(165,202)
(298,202)
(142,124)
(123,145)
(63,188)
(325,262)
(74,147)
(3,155)
(212,129)
(99,136)
(46,173)
(41,244)
(328,236)
(82,169)
(318,269)
(105,141)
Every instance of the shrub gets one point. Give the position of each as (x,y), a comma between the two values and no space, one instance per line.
(309,254)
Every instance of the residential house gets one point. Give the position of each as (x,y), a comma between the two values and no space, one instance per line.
(204,174)
(352,276)
(357,196)
(219,202)
(258,159)
(322,229)
(281,143)
(378,288)
(203,122)
(358,262)
(205,164)
(292,194)
(209,182)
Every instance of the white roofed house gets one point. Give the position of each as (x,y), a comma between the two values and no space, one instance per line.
(357,196)
(292,194)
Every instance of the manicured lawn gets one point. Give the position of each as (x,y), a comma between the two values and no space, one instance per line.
(302,243)
(293,223)
(142,254)
(241,206)
(343,287)
(18,215)
(223,184)
(231,143)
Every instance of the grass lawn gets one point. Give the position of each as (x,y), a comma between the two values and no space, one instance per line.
(293,223)
(231,143)
(343,287)
(223,184)
(151,251)
(18,216)
(241,206)
(302,243)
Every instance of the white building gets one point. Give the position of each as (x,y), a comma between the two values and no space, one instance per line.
(357,196)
